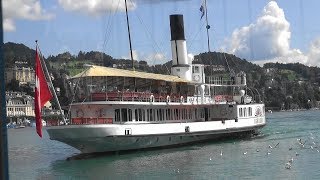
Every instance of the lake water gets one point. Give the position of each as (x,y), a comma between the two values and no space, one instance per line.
(33,158)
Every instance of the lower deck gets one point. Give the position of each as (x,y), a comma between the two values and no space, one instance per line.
(116,127)
(82,114)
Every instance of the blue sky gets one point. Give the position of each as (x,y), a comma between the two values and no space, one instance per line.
(75,25)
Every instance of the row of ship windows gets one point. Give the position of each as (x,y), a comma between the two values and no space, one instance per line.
(125,114)
(245,112)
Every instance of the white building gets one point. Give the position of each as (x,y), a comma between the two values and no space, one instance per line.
(19,104)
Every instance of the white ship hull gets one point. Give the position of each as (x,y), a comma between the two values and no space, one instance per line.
(113,137)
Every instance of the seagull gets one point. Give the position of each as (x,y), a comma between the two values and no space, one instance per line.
(274,146)
(210,159)
(288,165)
(311,147)
(290,148)
(318,150)
(313,143)
(291,160)
(299,140)
(221,153)
(245,153)
(301,143)
(297,154)
(257,150)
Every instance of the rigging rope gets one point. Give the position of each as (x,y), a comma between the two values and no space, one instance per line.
(107,35)
(196,35)
(224,54)
(154,41)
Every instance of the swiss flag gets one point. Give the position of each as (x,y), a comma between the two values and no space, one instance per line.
(42,93)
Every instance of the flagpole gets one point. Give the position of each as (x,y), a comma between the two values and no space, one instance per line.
(51,84)
(208,26)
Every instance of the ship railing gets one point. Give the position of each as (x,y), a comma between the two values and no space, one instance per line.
(137,96)
(219,81)
(83,121)
(223,98)
(160,97)
(226,80)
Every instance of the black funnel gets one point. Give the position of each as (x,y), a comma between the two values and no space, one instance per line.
(177,27)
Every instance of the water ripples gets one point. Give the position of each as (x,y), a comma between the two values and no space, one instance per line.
(262,156)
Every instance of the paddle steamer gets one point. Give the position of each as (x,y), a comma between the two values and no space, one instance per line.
(116,109)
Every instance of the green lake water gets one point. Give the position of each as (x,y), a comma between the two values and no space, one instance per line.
(251,158)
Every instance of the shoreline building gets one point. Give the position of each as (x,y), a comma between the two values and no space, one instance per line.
(19,104)
(21,72)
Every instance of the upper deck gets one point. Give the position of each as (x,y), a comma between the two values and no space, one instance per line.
(109,84)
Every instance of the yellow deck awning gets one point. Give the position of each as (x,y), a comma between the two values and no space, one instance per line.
(100,71)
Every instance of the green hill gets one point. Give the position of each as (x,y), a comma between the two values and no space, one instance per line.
(282,86)
(17,52)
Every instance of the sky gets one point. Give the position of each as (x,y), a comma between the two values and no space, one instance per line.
(260,31)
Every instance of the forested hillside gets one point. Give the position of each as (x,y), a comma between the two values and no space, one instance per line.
(282,86)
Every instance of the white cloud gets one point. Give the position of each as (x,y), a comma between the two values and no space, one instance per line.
(310,58)
(8,25)
(96,7)
(314,53)
(135,55)
(267,38)
(294,57)
(22,9)
(156,58)
(151,59)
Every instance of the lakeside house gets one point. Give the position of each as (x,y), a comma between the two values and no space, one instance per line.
(19,104)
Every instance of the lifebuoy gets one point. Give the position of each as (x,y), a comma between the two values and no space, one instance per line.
(218,98)
(258,111)
(196,77)
(181,99)
(151,98)
(168,99)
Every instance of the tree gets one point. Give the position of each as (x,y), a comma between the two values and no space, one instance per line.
(13,85)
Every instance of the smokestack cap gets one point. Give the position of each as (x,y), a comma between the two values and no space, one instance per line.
(177,27)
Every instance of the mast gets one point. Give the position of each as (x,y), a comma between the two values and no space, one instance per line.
(128,26)
(207,24)
(50,84)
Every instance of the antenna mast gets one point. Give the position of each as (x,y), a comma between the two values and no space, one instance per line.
(125,1)
(207,26)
